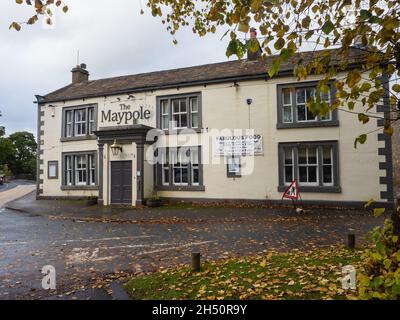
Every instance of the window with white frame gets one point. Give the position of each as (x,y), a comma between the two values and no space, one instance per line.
(179,112)
(288,165)
(302,96)
(92,122)
(79,121)
(313,164)
(293,110)
(79,169)
(179,167)
(69,170)
(194,112)
(307,165)
(164,111)
(69,123)
(92,170)
(287,113)
(195,171)
(327,165)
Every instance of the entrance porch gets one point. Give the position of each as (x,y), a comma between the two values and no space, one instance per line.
(124,177)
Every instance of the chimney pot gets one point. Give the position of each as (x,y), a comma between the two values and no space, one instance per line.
(80,74)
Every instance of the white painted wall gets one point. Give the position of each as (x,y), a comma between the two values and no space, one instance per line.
(224,106)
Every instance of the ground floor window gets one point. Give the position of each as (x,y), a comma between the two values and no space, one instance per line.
(315,166)
(179,168)
(79,169)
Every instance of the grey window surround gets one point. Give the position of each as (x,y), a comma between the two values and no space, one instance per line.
(49,163)
(64,138)
(64,185)
(171,187)
(177,96)
(232,174)
(333,122)
(335,188)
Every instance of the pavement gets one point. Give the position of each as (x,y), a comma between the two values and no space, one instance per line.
(15,190)
(93,256)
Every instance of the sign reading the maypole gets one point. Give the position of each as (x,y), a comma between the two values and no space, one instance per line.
(237,145)
(125,115)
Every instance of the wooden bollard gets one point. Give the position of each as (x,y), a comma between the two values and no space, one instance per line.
(196,261)
(351,240)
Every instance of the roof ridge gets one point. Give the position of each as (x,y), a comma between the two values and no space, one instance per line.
(166,70)
(205,73)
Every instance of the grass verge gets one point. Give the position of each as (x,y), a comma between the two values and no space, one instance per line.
(314,274)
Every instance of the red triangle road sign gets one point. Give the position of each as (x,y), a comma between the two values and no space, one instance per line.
(292,192)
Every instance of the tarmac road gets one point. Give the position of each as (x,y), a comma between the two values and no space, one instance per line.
(84,253)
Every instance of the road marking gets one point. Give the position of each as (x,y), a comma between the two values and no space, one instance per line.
(109,239)
(77,240)
(84,255)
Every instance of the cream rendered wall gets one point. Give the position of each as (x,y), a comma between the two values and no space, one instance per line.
(224,106)
(53,148)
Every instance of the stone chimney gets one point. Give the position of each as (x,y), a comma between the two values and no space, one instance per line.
(251,55)
(80,74)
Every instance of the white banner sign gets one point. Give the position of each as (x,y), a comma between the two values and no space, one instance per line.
(248,145)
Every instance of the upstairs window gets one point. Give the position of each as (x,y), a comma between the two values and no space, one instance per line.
(79,122)
(292,106)
(179,112)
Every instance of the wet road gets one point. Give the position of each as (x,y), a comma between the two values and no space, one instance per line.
(14,183)
(83,253)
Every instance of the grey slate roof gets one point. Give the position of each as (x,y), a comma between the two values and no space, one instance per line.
(209,73)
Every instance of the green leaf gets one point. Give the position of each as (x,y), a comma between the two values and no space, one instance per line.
(15,26)
(328,27)
(236,47)
(279,44)
(274,68)
(253,45)
(243,27)
(365,14)
(305,23)
(379,211)
(396,289)
(368,204)
(396,87)
(353,78)
(360,139)
(363,118)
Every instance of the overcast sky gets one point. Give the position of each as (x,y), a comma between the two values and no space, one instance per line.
(112,37)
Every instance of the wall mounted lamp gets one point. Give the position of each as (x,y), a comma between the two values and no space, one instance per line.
(115,148)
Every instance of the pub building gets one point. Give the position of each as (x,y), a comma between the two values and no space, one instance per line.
(94,139)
